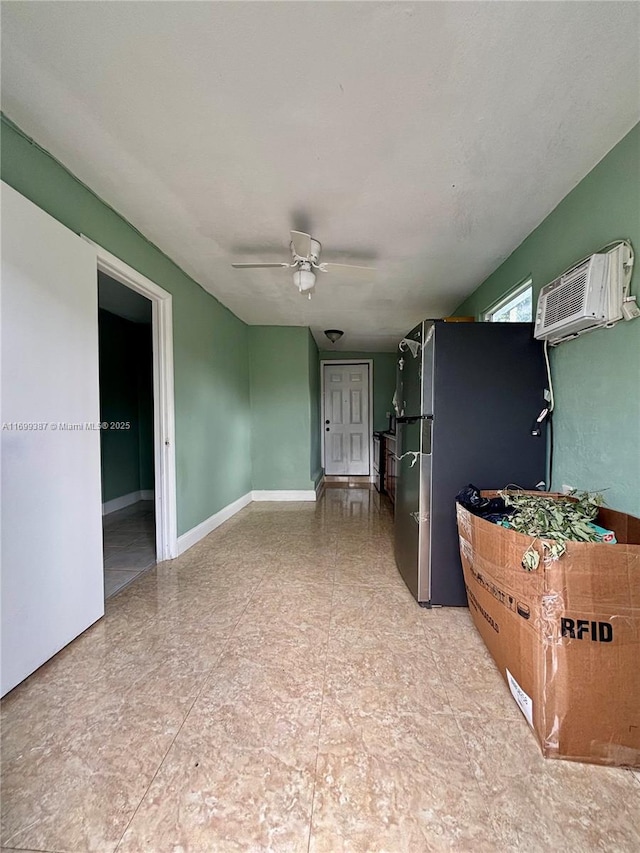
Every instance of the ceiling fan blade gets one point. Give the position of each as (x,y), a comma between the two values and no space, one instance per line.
(350,270)
(258,266)
(301,243)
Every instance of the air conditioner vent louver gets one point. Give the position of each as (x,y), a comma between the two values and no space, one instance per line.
(575,302)
(567,298)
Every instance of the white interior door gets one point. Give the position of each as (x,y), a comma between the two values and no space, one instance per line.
(346,416)
(51,577)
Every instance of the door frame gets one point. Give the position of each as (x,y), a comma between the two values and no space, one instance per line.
(369,362)
(163,396)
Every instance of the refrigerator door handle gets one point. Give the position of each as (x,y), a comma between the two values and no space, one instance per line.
(412,419)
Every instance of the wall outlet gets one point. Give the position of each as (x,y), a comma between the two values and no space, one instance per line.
(567,489)
(387,415)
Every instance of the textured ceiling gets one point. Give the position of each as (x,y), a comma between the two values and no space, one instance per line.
(426,138)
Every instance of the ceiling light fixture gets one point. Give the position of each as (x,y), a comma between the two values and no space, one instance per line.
(304,279)
(333,334)
(305,261)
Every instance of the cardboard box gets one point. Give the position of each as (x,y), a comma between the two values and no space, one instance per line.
(565,637)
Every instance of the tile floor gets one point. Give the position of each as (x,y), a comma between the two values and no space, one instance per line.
(129,537)
(277,689)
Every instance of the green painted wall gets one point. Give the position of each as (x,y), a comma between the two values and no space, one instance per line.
(280,407)
(596,377)
(211,362)
(126,395)
(384,381)
(315,467)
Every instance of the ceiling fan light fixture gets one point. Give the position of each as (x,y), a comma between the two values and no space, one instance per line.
(304,280)
(333,334)
(305,259)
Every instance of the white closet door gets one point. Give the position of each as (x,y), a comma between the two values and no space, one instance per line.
(51,578)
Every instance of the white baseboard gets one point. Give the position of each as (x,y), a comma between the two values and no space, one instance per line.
(188,539)
(284,495)
(126,500)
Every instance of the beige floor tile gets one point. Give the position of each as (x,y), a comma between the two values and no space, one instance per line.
(75,685)
(302,572)
(549,804)
(376,611)
(473,682)
(79,788)
(179,650)
(193,716)
(219,548)
(283,606)
(503,751)
(363,544)
(147,597)
(366,802)
(249,544)
(298,658)
(218,614)
(452,626)
(238,578)
(205,800)
(34,711)
(372,571)
(306,552)
(254,699)
(303,525)
(369,719)
(397,673)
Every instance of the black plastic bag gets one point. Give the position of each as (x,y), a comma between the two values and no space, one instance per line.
(491,509)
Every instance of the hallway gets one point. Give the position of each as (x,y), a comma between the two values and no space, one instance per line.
(277,688)
(129,543)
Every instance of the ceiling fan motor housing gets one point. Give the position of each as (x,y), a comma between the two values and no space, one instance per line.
(315,247)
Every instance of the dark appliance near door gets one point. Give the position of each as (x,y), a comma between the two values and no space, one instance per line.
(378,461)
(468,396)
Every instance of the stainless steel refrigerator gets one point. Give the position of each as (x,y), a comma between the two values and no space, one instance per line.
(467,399)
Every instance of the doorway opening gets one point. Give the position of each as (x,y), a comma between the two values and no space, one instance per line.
(347,420)
(147,515)
(125,355)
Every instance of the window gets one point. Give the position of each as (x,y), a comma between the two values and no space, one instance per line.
(517,307)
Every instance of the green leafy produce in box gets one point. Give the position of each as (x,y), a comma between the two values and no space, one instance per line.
(563,518)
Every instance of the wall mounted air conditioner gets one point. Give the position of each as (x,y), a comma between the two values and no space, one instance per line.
(588,296)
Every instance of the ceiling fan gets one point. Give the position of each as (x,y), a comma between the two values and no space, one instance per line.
(305,259)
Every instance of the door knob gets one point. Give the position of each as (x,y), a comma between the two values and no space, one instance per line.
(327,422)
(327,429)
